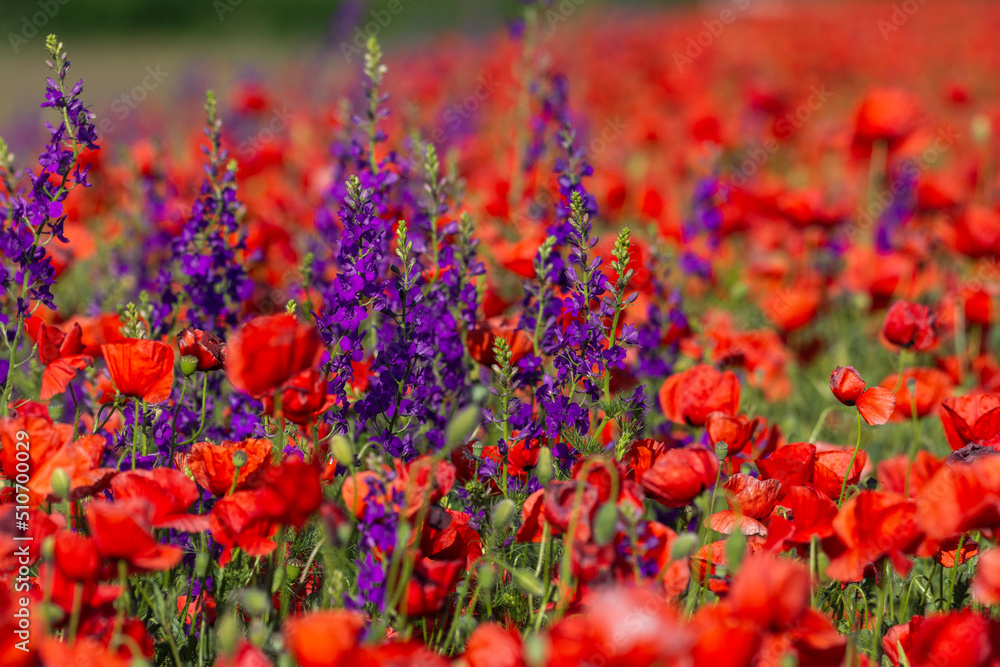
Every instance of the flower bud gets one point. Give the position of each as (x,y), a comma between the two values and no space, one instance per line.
(279,579)
(526,580)
(342,450)
(255,601)
(201,565)
(503,512)
(536,651)
(605,523)
(544,467)
(189,365)
(239,458)
(49,548)
(735,547)
(846,384)
(981,129)
(683,546)
(227,634)
(60,483)
(486,576)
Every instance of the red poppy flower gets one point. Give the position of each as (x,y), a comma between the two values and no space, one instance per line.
(242,520)
(142,369)
(969,418)
(870,526)
(170,491)
(960,498)
(792,465)
(84,651)
(123,530)
(269,351)
(771,592)
(212,466)
(909,325)
(977,231)
(750,501)
(892,472)
(875,404)
(812,515)
(830,468)
(737,432)
(886,114)
(291,492)
(303,399)
(322,639)
(492,645)
(958,639)
(532,518)
(567,502)
(207,348)
(483,336)
(61,354)
(690,396)
(986,583)
(931,388)
(680,475)
(76,556)
(431,582)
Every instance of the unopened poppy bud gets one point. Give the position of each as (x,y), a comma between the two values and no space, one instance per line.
(605,523)
(256,602)
(227,634)
(721,450)
(239,458)
(527,581)
(189,365)
(342,451)
(60,483)
(536,650)
(503,512)
(735,547)
(486,576)
(846,384)
(543,469)
(981,129)
(911,386)
(201,565)
(49,548)
(683,546)
(279,579)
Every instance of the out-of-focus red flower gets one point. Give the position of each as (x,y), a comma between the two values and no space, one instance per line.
(750,501)
(870,526)
(959,639)
(900,637)
(492,645)
(76,557)
(206,347)
(690,396)
(909,325)
(322,639)
(532,518)
(812,515)
(875,404)
(291,492)
(484,335)
(84,651)
(430,585)
(986,583)
(566,503)
(303,399)
(892,472)
(123,530)
(269,351)
(960,498)
(886,114)
(931,388)
(771,592)
(212,466)
(977,231)
(142,369)
(679,475)
(969,418)
(245,655)
(99,331)
(170,491)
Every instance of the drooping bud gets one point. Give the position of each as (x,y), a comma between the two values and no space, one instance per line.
(342,451)
(526,580)
(544,467)
(503,512)
(60,483)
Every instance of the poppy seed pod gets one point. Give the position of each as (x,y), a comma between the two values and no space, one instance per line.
(189,365)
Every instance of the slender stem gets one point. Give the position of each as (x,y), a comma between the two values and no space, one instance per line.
(850,466)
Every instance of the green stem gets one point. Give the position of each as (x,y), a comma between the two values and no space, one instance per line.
(850,466)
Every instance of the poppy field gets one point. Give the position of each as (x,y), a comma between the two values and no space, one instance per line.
(611,338)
